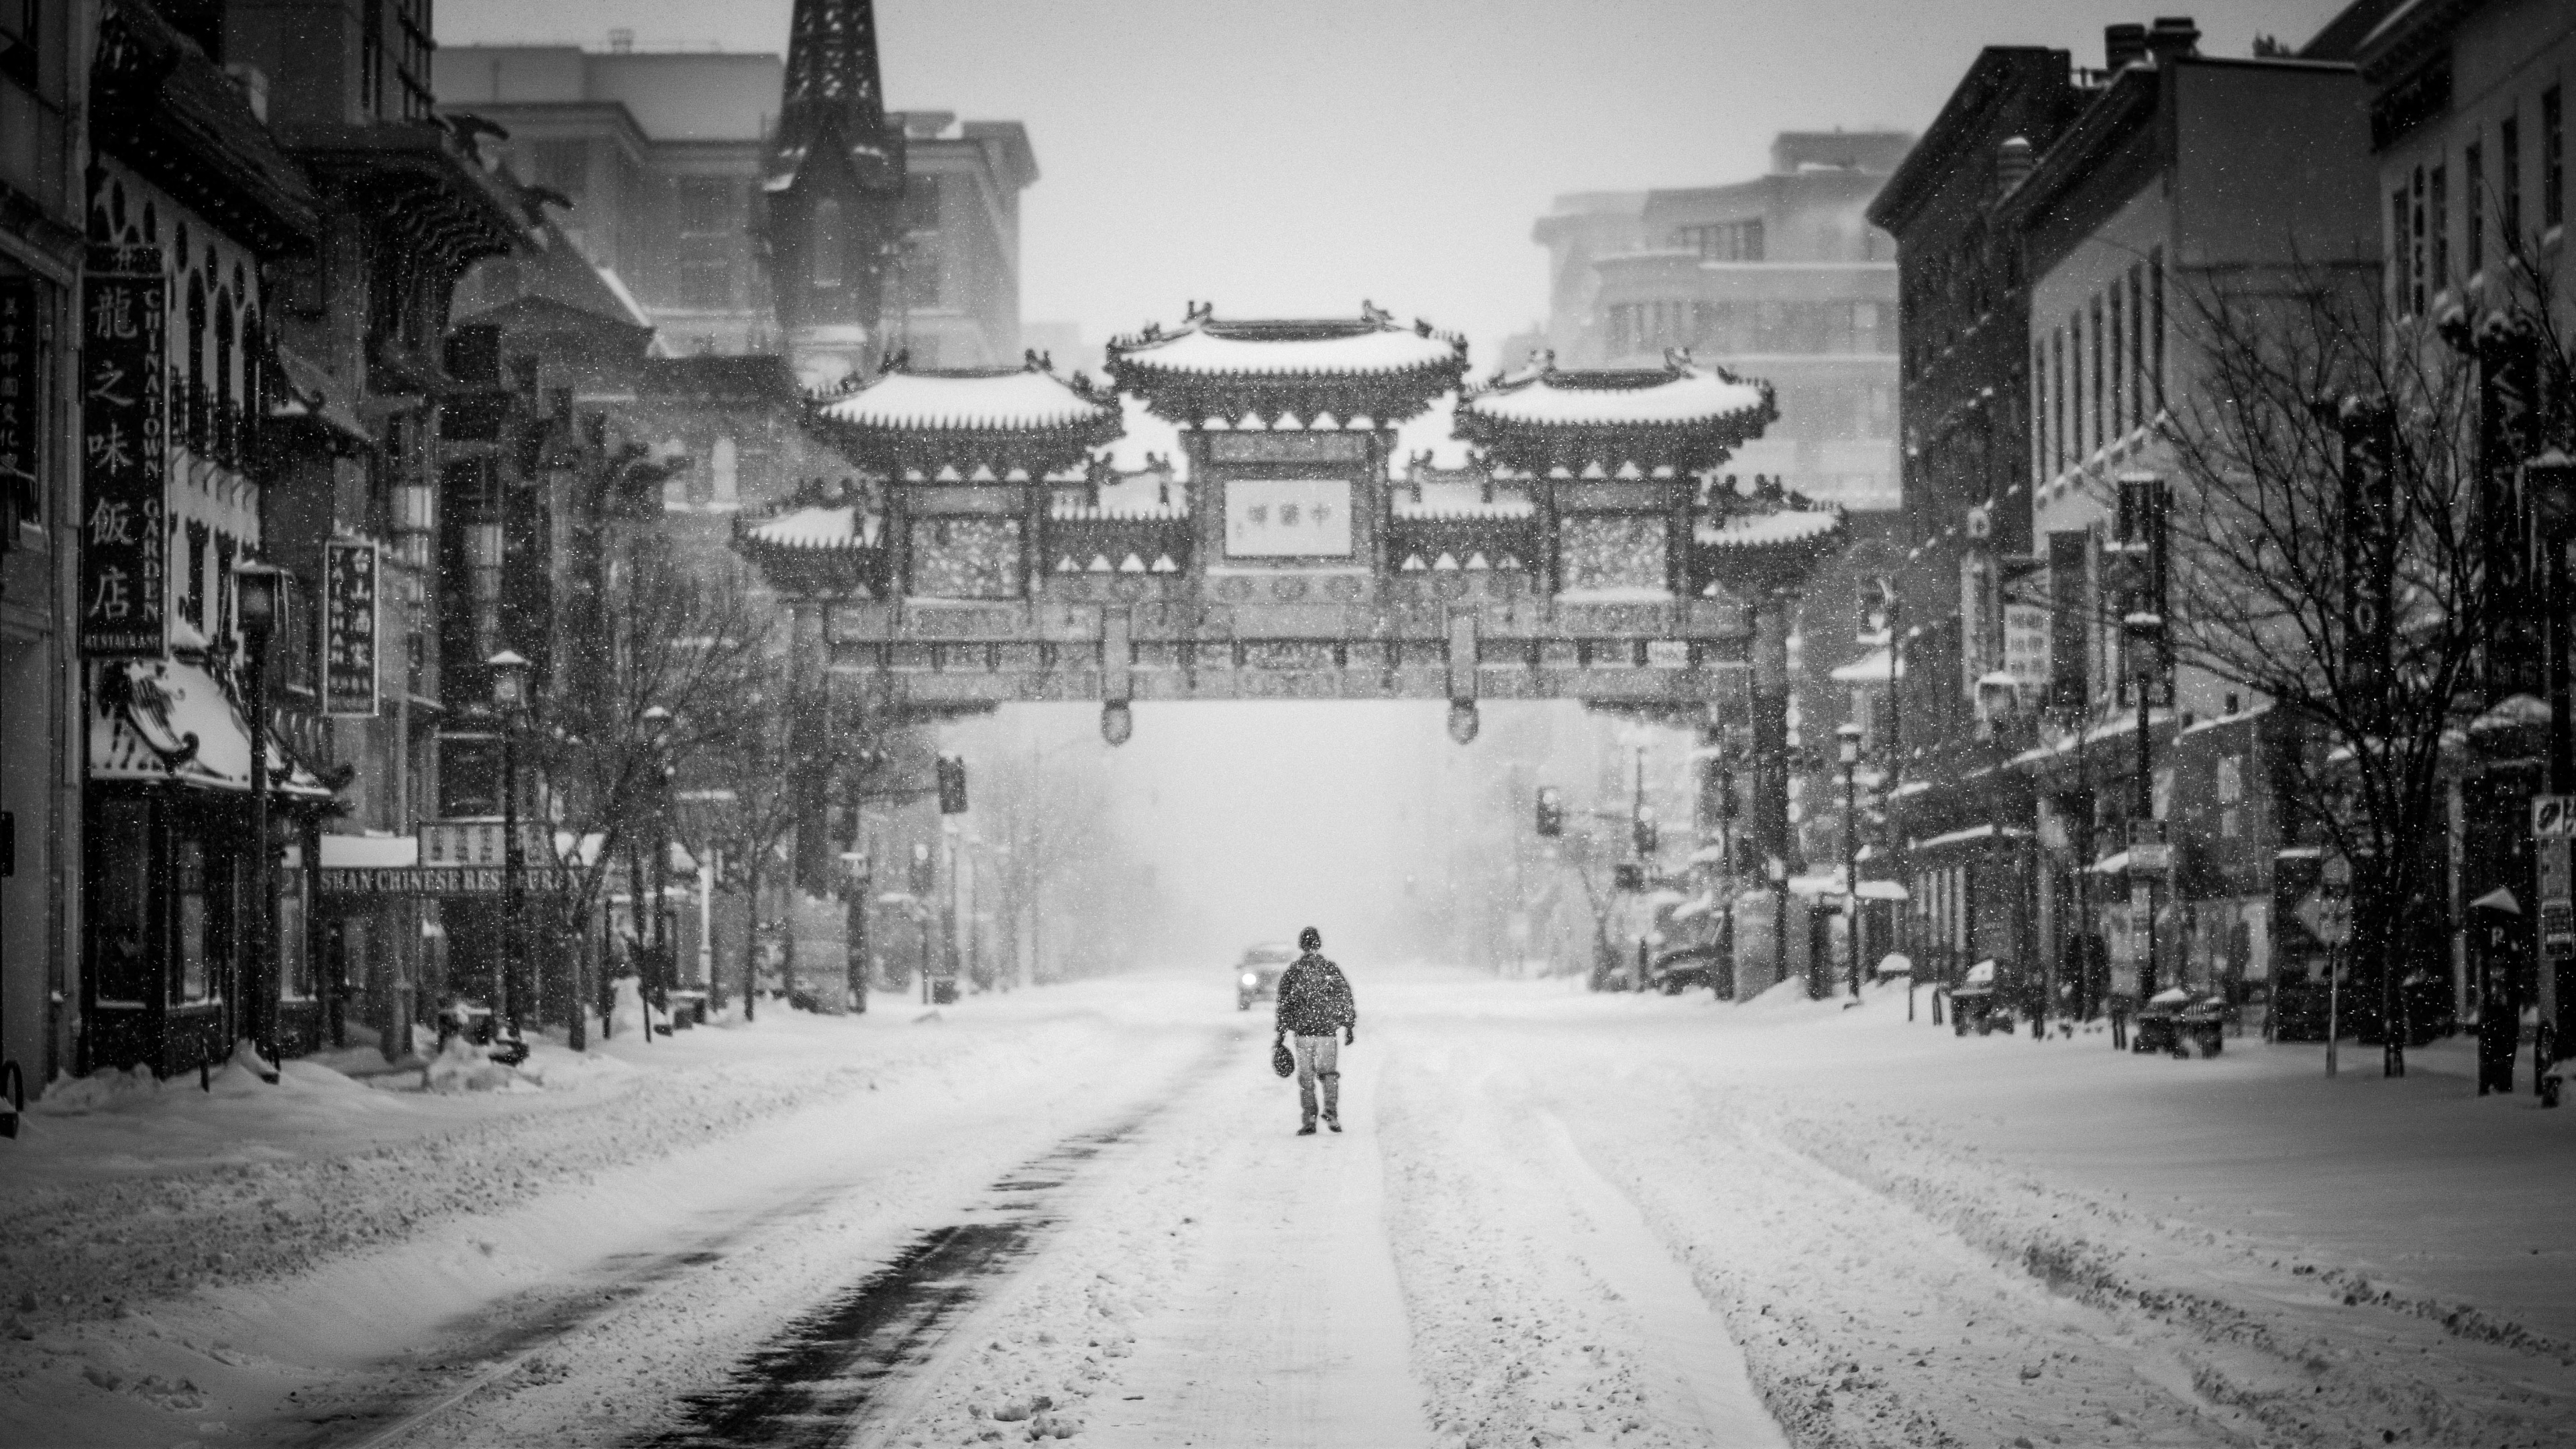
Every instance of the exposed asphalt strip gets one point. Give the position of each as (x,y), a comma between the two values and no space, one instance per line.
(813,1383)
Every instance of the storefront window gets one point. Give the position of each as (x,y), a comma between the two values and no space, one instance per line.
(294,965)
(120,847)
(190,926)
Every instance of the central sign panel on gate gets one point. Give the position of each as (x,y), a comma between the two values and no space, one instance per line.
(1288,518)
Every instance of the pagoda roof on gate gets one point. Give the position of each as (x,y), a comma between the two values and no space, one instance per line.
(1368,366)
(1681,415)
(824,540)
(1004,419)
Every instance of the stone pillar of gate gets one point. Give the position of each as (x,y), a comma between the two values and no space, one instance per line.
(816,864)
(1769,826)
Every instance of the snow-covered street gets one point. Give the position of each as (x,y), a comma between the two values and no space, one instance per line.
(1080,1213)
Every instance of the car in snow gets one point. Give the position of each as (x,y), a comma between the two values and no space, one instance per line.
(1690,968)
(1257,975)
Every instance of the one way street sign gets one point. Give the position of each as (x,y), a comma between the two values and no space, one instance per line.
(2327,917)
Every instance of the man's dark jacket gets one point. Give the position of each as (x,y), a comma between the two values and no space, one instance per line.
(1314,998)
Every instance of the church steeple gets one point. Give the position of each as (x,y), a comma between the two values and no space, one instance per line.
(835,185)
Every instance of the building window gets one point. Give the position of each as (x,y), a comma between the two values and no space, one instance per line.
(2509,179)
(2553,160)
(2439,222)
(2415,247)
(18,40)
(706,285)
(2138,414)
(2100,438)
(2057,401)
(2397,251)
(2115,414)
(1733,241)
(371,55)
(563,165)
(2472,186)
(920,203)
(2041,396)
(120,878)
(705,204)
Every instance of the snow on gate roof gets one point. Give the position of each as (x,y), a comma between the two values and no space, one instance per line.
(1017,399)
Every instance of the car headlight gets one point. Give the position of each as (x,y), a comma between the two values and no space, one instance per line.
(1249,979)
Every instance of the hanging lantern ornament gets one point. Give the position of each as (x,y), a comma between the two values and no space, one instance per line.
(1463,722)
(1116,722)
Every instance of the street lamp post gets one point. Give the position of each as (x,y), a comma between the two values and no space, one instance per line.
(256,588)
(1778,870)
(509,702)
(657,723)
(1847,738)
(854,885)
(2549,482)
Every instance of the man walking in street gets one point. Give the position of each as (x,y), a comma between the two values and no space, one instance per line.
(1315,1002)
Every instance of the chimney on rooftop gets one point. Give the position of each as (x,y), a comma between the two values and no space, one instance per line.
(2172,37)
(2012,164)
(2123,45)
(621,41)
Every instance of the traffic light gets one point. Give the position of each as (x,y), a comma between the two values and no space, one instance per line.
(921,880)
(1551,812)
(952,785)
(1649,835)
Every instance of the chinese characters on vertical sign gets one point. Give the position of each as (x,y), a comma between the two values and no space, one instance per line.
(20,412)
(349,627)
(124,581)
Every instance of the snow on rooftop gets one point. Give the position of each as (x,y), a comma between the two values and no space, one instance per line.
(1459,499)
(1023,398)
(819,526)
(1757,530)
(1573,399)
(1153,493)
(1242,350)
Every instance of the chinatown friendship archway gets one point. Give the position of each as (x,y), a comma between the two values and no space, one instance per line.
(984,551)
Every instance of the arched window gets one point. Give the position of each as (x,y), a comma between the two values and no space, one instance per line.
(828,243)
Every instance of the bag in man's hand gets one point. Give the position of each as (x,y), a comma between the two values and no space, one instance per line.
(1280,1061)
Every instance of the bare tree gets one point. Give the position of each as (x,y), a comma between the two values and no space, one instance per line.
(788,753)
(658,687)
(2327,555)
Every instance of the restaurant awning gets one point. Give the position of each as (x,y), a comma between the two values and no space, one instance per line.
(170,720)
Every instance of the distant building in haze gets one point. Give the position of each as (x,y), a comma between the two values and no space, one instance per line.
(663,157)
(1779,277)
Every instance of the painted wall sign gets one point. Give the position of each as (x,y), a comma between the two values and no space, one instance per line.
(124,584)
(21,410)
(1288,518)
(349,627)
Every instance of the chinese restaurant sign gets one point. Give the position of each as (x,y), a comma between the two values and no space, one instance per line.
(19,409)
(124,578)
(1288,518)
(349,627)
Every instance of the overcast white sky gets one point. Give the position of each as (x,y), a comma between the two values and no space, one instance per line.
(1295,156)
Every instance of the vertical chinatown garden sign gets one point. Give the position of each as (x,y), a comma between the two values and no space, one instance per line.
(349,627)
(124,581)
(19,409)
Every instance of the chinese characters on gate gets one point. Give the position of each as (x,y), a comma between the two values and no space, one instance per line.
(124,576)
(1288,518)
(349,627)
